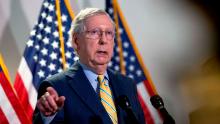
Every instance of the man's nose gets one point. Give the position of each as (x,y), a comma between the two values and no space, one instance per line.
(103,38)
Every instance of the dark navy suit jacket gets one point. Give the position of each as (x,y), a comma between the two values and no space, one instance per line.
(82,104)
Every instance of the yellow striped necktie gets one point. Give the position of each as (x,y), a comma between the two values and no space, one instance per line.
(107,100)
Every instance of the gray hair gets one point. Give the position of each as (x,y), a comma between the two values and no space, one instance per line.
(78,24)
(79,21)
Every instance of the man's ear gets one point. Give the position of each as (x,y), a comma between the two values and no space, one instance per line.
(75,44)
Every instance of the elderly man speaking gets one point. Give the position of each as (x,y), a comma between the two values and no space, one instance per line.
(89,92)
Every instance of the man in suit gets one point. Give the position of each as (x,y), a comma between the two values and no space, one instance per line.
(77,94)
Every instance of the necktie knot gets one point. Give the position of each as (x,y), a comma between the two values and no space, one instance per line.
(101,78)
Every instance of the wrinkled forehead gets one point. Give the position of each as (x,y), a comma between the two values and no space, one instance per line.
(98,21)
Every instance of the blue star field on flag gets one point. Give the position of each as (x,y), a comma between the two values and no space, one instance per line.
(42,52)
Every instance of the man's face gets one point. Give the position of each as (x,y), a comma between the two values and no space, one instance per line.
(95,44)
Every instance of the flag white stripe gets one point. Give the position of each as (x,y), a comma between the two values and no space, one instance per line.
(7,108)
(27,78)
(144,94)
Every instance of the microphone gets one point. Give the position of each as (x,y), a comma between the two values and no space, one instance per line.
(124,103)
(157,102)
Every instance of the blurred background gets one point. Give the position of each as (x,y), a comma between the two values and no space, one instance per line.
(178,41)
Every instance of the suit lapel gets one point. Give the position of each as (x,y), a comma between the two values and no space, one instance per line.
(81,85)
(116,84)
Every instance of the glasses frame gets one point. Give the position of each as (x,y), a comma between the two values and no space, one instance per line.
(97,33)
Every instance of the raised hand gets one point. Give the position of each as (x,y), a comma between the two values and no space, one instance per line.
(50,102)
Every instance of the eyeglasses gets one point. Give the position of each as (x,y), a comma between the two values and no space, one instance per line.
(97,33)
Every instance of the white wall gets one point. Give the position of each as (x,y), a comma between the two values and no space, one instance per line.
(172,37)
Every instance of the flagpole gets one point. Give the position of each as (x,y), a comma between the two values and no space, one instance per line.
(5,70)
(122,63)
(68,6)
(60,34)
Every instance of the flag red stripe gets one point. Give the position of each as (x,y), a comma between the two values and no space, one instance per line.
(23,95)
(148,117)
(151,93)
(3,118)
(13,99)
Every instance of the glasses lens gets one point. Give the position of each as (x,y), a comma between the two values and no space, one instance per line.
(109,34)
(97,34)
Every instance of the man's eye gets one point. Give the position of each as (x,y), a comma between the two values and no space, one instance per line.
(94,32)
(109,32)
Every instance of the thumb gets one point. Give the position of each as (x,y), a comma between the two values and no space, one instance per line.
(60,101)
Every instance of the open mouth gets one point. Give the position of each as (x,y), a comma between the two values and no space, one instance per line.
(102,52)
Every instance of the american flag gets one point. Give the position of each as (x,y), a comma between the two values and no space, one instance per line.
(11,110)
(42,56)
(127,60)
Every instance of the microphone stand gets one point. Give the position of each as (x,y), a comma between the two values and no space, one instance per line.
(157,102)
(124,103)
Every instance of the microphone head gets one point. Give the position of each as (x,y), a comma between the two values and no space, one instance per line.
(157,102)
(123,102)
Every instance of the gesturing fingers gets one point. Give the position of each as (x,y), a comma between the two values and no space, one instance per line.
(51,99)
(43,106)
(46,102)
(52,92)
(50,102)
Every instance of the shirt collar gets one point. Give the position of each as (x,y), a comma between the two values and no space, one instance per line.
(90,74)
